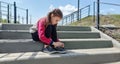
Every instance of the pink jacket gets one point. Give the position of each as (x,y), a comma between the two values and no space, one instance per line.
(41,32)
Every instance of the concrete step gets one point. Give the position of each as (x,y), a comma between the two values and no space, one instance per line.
(79,56)
(26,27)
(19,45)
(112,63)
(17,34)
(78,34)
(73,28)
(15,26)
(27,45)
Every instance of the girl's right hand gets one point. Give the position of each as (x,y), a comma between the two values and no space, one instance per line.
(57,44)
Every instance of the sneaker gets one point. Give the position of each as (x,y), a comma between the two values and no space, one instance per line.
(60,50)
(49,50)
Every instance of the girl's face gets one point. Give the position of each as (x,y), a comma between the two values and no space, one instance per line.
(55,20)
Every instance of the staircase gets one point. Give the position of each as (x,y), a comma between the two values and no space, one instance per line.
(86,45)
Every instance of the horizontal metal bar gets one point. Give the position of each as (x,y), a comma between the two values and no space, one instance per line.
(4,6)
(4,14)
(85,7)
(21,8)
(6,3)
(76,11)
(109,3)
(3,11)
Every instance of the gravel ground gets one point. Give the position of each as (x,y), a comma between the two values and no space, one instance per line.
(114,33)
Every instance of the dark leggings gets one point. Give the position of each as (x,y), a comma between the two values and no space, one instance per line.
(50,31)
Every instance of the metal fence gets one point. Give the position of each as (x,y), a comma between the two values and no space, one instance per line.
(70,18)
(11,13)
(108,14)
(98,14)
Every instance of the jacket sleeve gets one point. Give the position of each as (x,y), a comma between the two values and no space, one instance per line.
(41,33)
(58,40)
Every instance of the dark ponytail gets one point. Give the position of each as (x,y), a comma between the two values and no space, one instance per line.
(55,12)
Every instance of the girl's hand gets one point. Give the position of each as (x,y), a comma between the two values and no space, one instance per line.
(58,44)
(62,44)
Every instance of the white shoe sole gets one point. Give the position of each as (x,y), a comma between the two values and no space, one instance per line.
(56,52)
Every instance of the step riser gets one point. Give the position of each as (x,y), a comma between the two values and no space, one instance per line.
(15,27)
(31,46)
(87,44)
(73,28)
(78,35)
(20,47)
(15,35)
(62,35)
(77,59)
(59,28)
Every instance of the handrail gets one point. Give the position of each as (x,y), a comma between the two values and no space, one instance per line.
(71,17)
(8,8)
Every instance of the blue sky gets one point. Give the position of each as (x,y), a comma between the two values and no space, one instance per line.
(40,8)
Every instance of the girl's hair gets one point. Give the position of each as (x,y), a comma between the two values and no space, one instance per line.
(55,12)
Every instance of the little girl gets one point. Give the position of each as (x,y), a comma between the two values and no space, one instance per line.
(45,32)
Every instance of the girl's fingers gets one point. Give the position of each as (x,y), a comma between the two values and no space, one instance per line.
(59,44)
(63,45)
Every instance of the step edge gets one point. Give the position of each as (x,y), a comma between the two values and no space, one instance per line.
(74,53)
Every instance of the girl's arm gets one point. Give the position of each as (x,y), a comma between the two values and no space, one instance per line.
(41,33)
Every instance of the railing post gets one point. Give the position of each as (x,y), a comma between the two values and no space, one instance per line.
(93,11)
(0,13)
(10,12)
(71,18)
(8,18)
(98,13)
(80,14)
(78,11)
(15,13)
(66,20)
(89,11)
(30,19)
(62,22)
(26,16)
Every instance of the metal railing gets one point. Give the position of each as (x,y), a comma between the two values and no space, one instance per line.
(11,13)
(70,18)
(95,17)
(99,16)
